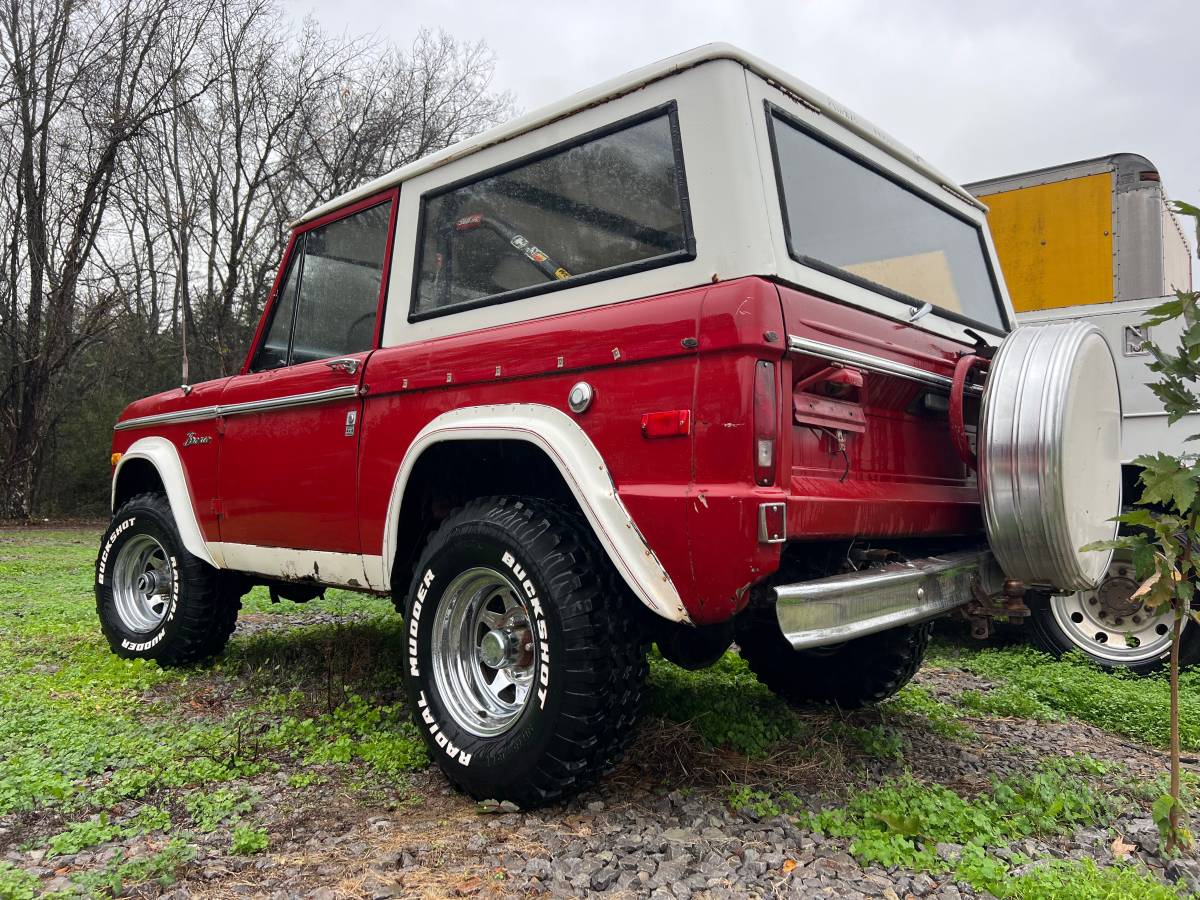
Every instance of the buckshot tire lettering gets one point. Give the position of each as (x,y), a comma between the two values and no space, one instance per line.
(543,641)
(112,539)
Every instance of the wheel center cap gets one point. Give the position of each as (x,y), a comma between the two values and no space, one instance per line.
(498,648)
(147,583)
(1115,595)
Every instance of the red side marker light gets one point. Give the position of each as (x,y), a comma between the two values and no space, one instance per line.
(668,423)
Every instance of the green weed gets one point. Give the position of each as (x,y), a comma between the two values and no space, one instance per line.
(208,811)
(161,868)
(1113,700)
(901,822)
(724,703)
(1084,880)
(762,804)
(247,841)
(16,884)
(1008,700)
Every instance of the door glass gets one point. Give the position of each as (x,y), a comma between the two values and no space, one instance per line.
(273,353)
(339,286)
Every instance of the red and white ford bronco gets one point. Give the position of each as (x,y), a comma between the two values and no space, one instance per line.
(692,357)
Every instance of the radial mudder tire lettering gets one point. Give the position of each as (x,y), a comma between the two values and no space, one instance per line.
(857,673)
(525,662)
(155,599)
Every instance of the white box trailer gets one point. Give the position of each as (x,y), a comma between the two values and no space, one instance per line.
(1096,240)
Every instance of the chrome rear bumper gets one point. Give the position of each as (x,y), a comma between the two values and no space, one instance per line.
(843,607)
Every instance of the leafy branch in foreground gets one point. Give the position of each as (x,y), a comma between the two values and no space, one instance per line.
(1161,528)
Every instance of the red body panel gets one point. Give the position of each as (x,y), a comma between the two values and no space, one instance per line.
(200,460)
(288,478)
(288,475)
(902,475)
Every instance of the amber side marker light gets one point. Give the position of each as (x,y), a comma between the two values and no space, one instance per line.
(116,458)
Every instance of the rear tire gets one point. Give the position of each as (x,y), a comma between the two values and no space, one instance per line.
(525,662)
(856,673)
(156,600)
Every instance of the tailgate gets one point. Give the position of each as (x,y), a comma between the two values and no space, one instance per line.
(870,449)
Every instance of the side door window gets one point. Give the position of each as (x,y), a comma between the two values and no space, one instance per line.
(341,276)
(329,301)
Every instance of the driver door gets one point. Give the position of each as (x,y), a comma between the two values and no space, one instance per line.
(289,424)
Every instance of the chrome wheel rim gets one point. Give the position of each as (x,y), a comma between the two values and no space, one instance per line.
(483,651)
(1107,624)
(142,584)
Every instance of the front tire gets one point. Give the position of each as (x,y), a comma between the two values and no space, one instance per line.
(525,663)
(156,600)
(850,675)
(1109,628)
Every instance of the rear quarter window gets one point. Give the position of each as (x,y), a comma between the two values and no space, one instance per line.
(845,217)
(603,205)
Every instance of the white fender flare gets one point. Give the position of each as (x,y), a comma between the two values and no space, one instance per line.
(582,468)
(161,454)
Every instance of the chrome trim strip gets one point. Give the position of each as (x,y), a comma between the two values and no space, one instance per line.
(842,607)
(233,409)
(169,418)
(859,360)
(252,406)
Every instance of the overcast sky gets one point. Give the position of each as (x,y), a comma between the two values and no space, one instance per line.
(978,88)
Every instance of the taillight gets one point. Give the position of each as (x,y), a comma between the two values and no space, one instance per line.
(766,422)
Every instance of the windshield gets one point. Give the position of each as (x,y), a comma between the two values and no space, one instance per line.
(844,216)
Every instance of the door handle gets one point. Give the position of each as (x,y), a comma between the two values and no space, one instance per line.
(349,365)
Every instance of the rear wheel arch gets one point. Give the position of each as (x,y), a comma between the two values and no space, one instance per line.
(520,450)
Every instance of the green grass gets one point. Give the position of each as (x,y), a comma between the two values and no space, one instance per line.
(725,704)
(110,750)
(100,740)
(901,822)
(729,708)
(1034,685)
(1084,880)
(247,841)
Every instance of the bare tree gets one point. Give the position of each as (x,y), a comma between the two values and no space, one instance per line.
(151,154)
(81,82)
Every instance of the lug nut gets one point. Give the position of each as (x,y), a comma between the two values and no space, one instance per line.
(1091,601)
(1119,621)
(1137,620)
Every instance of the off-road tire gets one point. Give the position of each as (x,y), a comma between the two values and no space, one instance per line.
(850,675)
(203,602)
(589,652)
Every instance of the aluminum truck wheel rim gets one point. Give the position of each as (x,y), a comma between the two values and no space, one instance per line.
(1107,624)
(483,660)
(142,584)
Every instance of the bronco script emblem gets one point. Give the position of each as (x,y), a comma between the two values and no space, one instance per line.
(193,438)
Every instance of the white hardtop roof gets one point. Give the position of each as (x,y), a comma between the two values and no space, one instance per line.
(632,81)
